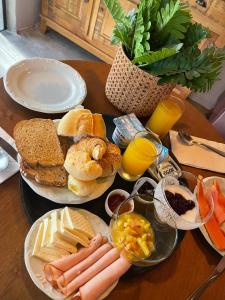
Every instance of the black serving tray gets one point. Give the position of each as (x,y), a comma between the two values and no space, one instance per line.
(36,206)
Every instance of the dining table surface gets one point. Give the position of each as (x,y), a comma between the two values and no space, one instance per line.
(175,278)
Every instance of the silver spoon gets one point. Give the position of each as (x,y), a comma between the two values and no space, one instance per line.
(188,140)
(4,160)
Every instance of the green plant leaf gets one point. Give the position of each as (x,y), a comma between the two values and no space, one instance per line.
(171,21)
(141,35)
(195,34)
(190,67)
(115,9)
(120,36)
(151,57)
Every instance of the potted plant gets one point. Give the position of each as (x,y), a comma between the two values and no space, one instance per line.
(159,49)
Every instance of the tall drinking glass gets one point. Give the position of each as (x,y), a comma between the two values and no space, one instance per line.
(139,155)
(166,114)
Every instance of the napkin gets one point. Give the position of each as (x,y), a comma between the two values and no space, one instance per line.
(198,156)
(13,166)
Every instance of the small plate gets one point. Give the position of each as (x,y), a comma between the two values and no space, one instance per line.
(208,181)
(35,266)
(45,85)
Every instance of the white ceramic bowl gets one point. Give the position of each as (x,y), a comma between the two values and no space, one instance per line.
(120,192)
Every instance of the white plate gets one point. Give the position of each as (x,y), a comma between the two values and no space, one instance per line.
(63,195)
(35,266)
(208,182)
(45,85)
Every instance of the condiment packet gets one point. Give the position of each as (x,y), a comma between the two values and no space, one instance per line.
(166,167)
(13,166)
(126,128)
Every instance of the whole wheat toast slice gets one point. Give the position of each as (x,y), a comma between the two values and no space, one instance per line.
(37,143)
(52,176)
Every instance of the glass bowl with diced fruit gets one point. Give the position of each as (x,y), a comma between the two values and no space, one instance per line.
(141,235)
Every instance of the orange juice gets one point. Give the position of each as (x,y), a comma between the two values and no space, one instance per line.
(138,156)
(166,114)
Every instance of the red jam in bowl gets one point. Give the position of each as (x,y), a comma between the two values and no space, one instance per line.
(115,200)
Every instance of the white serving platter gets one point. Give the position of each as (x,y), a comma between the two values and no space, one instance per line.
(45,85)
(64,196)
(35,266)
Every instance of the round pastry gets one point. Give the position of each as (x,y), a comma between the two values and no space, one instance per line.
(80,165)
(81,188)
(111,160)
(94,146)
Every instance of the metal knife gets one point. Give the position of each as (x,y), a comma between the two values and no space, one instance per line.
(218,270)
(8,148)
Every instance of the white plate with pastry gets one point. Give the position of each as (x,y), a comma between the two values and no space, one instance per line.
(67,161)
(45,85)
(36,259)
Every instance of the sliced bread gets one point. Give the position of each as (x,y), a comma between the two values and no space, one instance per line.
(53,176)
(37,142)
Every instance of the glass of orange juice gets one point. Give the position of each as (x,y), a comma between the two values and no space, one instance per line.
(141,152)
(166,114)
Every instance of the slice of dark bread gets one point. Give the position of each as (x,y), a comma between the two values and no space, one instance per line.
(53,176)
(37,143)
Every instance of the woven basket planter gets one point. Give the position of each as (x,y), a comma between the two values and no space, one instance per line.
(131,89)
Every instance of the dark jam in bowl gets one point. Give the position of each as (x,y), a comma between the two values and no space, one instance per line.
(146,188)
(115,200)
(178,203)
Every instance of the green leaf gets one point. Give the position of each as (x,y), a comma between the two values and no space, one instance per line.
(191,68)
(195,34)
(120,36)
(115,9)
(141,35)
(151,57)
(171,21)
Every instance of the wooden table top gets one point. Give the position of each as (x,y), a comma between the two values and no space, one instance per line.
(175,278)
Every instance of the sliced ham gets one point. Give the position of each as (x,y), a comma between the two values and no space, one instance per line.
(70,274)
(55,269)
(89,273)
(95,287)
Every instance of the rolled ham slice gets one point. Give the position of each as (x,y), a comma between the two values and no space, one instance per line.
(70,274)
(89,273)
(95,287)
(55,269)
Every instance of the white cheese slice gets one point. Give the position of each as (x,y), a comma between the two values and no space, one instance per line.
(38,240)
(68,235)
(46,232)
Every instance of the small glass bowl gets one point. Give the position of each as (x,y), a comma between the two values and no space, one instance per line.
(186,183)
(165,236)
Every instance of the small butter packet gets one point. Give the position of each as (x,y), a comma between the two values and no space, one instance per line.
(126,128)
(165,167)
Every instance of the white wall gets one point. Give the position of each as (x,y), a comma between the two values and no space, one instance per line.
(11,14)
(27,13)
(209,99)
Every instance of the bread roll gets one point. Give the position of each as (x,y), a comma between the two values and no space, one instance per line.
(95,147)
(99,128)
(76,122)
(81,122)
(80,165)
(111,160)
(81,188)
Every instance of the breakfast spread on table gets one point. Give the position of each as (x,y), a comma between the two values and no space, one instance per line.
(71,253)
(74,153)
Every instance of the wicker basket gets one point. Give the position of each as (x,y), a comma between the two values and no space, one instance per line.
(131,89)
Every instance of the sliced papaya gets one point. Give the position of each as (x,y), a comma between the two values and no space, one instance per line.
(213,228)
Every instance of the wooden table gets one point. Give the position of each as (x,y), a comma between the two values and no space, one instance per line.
(175,278)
